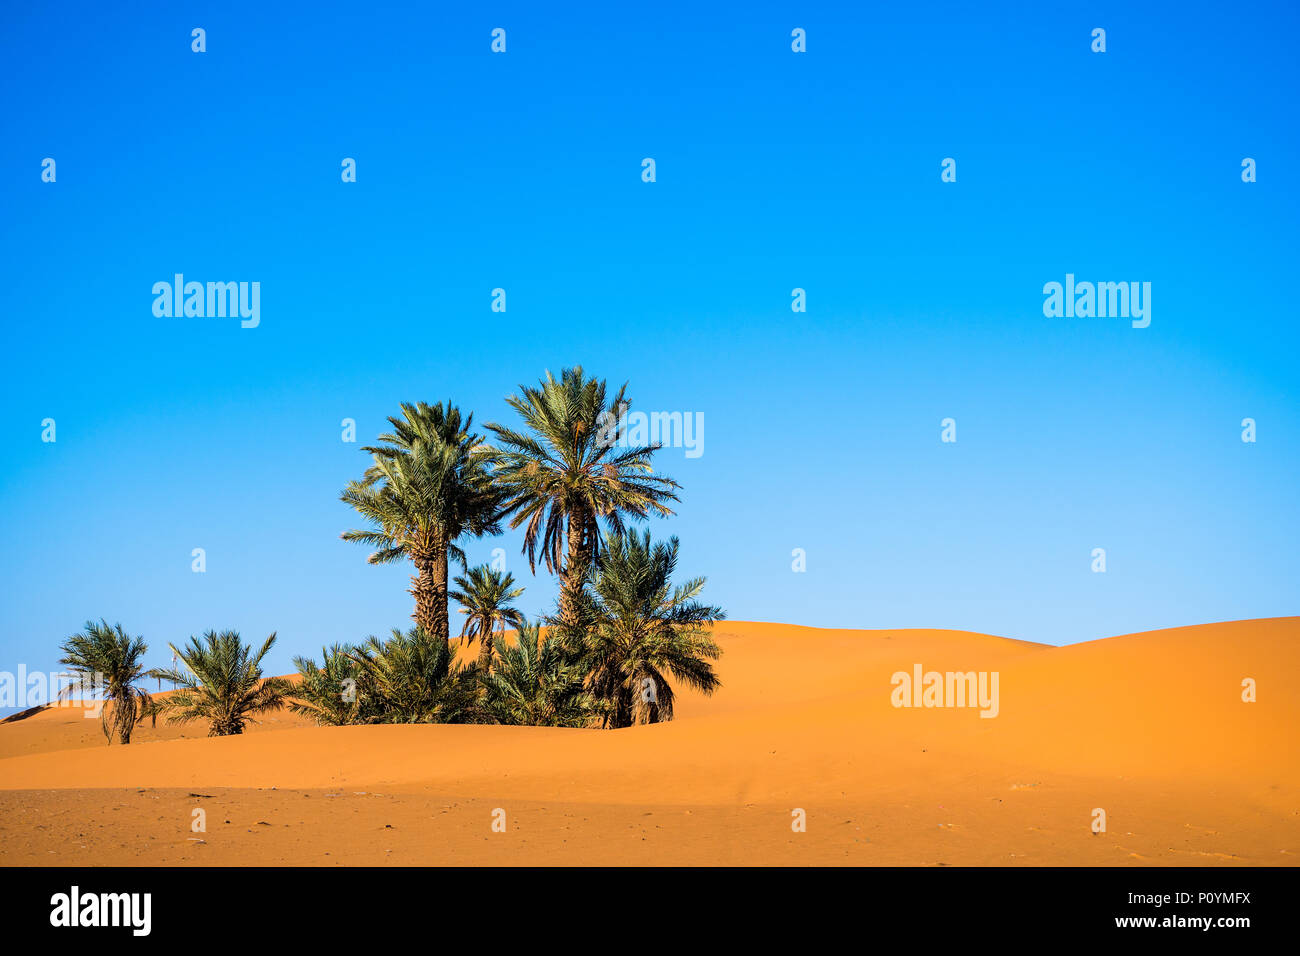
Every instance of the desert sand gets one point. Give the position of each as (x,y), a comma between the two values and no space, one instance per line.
(1149,727)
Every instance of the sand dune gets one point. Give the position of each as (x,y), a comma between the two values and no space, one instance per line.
(1149,727)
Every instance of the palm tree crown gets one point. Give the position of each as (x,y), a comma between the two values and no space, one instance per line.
(538,683)
(328,694)
(221,683)
(413,678)
(569,469)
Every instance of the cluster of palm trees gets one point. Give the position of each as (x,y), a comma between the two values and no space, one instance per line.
(621,628)
(567,477)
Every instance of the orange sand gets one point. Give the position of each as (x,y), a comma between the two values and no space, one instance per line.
(1150,727)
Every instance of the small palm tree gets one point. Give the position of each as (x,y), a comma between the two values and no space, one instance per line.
(107,662)
(485,595)
(570,469)
(221,683)
(641,629)
(538,683)
(329,694)
(428,486)
(414,680)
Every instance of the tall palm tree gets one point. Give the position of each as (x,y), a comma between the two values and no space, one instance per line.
(428,486)
(107,663)
(414,679)
(538,683)
(566,472)
(485,596)
(221,683)
(330,694)
(642,630)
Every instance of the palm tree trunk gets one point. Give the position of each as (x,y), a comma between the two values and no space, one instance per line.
(424,591)
(623,708)
(574,563)
(225,727)
(440,596)
(429,588)
(126,719)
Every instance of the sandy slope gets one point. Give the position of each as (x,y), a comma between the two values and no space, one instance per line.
(1150,727)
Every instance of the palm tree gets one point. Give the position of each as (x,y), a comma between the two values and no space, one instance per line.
(106,661)
(485,595)
(641,630)
(537,683)
(428,486)
(329,694)
(415,680)
(567,471)
(222,683)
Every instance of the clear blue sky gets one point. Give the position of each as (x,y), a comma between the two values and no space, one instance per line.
(775,170)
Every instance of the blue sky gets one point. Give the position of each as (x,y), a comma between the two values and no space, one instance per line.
(775,170)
